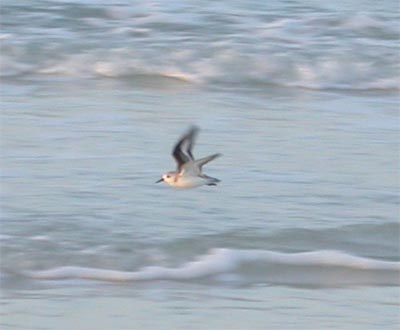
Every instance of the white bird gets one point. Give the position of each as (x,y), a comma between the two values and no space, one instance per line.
(189,171)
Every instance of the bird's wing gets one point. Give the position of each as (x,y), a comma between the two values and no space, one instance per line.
(182,151)
(203,161)
(189,168)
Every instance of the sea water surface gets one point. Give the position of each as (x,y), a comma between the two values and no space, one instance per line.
(300,97)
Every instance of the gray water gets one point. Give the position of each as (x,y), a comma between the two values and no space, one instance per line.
(301,98)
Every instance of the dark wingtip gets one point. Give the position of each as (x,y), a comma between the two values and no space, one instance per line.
(194,127)
(193,130)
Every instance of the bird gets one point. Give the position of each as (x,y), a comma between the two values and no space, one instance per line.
(189,172)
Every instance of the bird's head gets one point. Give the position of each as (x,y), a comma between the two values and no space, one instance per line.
(167,178)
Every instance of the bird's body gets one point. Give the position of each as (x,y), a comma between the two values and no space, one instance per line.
(189,171)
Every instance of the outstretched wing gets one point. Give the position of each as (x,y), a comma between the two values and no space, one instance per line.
(182,151)
(194,167)
(203,161)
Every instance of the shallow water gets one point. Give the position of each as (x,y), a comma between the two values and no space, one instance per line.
(300,98)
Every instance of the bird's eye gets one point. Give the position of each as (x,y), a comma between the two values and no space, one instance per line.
(167,176)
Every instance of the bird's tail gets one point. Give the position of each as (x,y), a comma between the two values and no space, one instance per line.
(203,161)
(210,180)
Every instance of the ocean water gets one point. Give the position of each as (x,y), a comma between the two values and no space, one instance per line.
(300,97)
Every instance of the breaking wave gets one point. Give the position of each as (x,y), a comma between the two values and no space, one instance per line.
(245,267)
(302,48)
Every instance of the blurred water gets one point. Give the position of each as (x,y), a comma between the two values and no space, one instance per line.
(293,44)
(301,98)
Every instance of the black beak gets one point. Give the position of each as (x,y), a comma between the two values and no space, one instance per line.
(161,180)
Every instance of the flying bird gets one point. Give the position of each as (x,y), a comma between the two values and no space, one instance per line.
(189,170)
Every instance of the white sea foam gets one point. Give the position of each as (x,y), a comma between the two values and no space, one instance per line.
(40,238)
(307,268)
(316,50)
(5,237)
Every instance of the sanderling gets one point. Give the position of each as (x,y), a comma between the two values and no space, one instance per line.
(189,171)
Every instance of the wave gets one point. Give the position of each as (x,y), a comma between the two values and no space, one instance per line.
(323,268)
(256,71)
(378,240)
(315,50)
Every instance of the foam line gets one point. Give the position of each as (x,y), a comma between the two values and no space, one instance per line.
(219,261)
